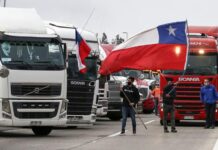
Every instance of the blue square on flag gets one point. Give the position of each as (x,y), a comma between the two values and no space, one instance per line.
(172,33)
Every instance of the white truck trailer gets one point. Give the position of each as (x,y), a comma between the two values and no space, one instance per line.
(32,73)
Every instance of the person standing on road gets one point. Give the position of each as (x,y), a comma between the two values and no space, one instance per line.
(156,94)
(169,94)
(208,96)
(130,95)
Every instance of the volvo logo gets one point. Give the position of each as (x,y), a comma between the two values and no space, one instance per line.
(189,79)
(36,90)
(77,83)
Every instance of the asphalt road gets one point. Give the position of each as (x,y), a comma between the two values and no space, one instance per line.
(104,135)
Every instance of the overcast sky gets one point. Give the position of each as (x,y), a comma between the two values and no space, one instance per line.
(118,16)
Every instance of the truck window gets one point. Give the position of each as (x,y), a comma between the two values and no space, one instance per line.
(73,71)
(199,65)
(32,55)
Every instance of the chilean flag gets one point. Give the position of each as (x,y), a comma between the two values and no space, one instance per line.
(82,51)
(161,48)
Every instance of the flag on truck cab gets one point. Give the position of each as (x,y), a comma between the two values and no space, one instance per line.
(82,51)
(160,48)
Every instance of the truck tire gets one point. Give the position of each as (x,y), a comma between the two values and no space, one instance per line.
(161,122)
(41,131)
(177,122)
(114,116)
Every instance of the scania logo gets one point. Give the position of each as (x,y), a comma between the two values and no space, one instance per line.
(189,79)
(199,44)
(77,83)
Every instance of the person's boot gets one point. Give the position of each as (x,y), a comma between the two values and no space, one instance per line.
(122,132)
(166,130)
(134,131)
(212,127)
(173,130)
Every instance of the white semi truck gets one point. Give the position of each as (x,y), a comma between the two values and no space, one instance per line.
(32,73)
(82,89)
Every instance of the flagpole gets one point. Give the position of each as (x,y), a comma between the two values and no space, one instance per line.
(188,51)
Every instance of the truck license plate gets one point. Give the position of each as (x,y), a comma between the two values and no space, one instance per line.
(188,117)
(33,123)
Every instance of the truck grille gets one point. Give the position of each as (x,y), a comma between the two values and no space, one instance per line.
(80,97)
(189,92)
(35,105)
(114,101)
(35,89)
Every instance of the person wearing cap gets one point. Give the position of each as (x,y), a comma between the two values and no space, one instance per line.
(130,95)
(169,94)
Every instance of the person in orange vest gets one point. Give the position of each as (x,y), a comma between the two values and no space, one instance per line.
(156,94)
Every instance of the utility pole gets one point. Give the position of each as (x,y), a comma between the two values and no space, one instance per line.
(5,1)
(126,33)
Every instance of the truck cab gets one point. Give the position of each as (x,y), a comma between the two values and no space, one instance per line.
(32,73)
(82,89)
(201,64)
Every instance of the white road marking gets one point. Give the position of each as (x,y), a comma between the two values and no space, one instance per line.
(216,145)
(149,122)
(118,133)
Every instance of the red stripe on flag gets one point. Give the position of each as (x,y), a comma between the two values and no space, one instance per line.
(151,57)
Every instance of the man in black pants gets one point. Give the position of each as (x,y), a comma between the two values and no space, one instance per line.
(169,94)
(208,97)
(130,95)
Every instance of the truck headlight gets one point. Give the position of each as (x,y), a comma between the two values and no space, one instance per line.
(93,111)
(161,105)
(6,106)
(64,106)
(4,72)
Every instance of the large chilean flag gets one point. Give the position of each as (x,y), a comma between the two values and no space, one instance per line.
(82,51)
(161,48)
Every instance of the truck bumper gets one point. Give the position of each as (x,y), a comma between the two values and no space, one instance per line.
(201,115)
(33,122)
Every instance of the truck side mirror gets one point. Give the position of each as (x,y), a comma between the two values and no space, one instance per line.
(65,53)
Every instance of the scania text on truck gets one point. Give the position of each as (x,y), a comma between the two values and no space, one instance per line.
(201,64)
(32,73)
(82,89)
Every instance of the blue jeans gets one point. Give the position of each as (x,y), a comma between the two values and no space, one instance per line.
(126,110)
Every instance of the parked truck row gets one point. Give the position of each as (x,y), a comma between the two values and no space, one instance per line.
(41,86)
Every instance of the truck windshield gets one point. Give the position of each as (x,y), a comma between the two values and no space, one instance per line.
(31,55)
(133,73)
(198,65)
(73,71)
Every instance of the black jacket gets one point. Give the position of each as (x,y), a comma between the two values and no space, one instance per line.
(132,93)
(169,89)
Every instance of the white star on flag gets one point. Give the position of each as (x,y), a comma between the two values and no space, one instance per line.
(171,30)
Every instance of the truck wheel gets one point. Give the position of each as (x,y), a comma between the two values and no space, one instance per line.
(161,122)
(177,122)
(41,131)
(114,118)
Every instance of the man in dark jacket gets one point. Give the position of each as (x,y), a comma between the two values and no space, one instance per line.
(209,97)
(169,94)
(130,95)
